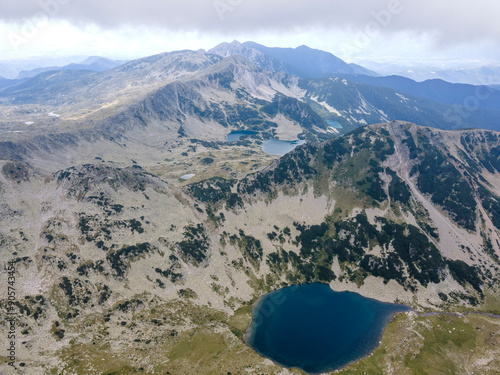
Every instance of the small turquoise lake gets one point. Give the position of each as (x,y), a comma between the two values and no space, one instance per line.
(334,124)
(235,136)
(279,147)
(271,146)
(313,328)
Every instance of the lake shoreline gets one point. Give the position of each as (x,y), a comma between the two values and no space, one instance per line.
(247,333)
(375,349)
(248,339)
(272,146)
(390,319)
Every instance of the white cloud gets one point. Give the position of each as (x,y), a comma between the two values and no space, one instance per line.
(376,28)
(452,20)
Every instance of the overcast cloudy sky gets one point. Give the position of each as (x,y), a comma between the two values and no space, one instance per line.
(381,30)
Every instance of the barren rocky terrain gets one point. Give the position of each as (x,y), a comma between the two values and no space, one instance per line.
(123,267)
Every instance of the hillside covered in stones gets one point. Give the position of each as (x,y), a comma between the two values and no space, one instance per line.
(122,268)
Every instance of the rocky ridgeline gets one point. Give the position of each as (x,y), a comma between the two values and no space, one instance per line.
(110,255)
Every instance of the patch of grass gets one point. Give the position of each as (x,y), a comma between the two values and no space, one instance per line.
(94,359)
(434,345)
(187,293)
(491,303)
(240,321)
(410,345)
(215,354)
(198,348)
(448,337)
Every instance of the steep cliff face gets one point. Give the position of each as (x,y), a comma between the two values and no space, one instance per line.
(110,257)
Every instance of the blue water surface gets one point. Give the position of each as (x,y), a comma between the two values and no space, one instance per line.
(316,329)
(278,147)
(334,124)
(236,135)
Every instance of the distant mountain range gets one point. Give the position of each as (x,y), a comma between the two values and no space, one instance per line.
(4,82)
(11,68)
(93,63)
(233,86)
(488,74)
(436,89)
(302,61)
(483,75)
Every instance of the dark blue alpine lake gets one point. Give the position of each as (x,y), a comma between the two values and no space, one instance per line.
(316,329)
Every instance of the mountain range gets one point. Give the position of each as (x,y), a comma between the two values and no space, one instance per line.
(464,72)
(5,82)
(93,63)
(437,90)
(302,61)
(204,95)
(141,238)
(116,257)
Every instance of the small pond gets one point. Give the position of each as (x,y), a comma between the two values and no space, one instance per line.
(278,147)
(236,135)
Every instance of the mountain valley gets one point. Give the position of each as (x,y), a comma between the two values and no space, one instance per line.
(125,267)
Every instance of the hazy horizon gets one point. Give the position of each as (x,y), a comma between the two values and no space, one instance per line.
(400,31)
